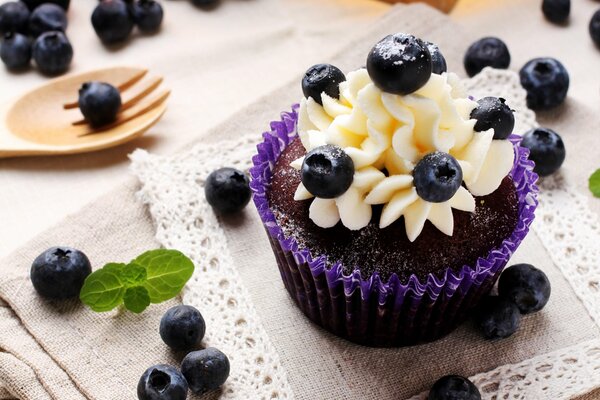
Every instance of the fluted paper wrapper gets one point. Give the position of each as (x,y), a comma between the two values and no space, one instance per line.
(369,310)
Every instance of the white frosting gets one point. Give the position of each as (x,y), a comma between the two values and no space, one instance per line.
(385,131)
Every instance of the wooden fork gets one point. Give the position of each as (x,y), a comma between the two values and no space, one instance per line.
(47,120)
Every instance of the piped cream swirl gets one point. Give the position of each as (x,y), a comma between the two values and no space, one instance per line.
(386,132)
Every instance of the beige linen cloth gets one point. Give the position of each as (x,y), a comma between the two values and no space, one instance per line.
(64,351)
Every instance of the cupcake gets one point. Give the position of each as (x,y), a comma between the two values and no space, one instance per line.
(392,201)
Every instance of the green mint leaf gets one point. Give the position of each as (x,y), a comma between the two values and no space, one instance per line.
(594,183)
(133,274)
(167,272)
(103,290)
(136,299)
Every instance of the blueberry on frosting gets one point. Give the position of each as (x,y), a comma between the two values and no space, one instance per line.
(400,64)
(494,113)
(327,172)
(438,62)
(437,177)
(322,78)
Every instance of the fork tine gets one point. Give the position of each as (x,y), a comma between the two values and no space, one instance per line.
(122,87)
(126,117)
(134,100)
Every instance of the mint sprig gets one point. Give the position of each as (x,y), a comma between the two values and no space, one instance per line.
(153,277)
(594,183)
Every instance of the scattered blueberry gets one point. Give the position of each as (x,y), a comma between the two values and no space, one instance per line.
(33,4)
(182,327)
(454,387)
(59,272)
(546,149)
(227,190)
(437,177)
(595,28)
(486,52)
(162,382)
(400,64)
(147,15)
(494,113)
(556,11)
(47,17)
(546,81)
(53,53)
(14,17)
(526,286)
(205,3)
(112,21)
(15,51)
(99,103)
(327,171)
(498,317)
(438,62)
(322,78)
(205,370)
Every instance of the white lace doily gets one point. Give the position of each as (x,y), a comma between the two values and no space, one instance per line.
(185,221)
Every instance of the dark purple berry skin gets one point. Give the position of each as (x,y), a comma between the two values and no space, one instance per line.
(32,4)
(162,382)
(327,172)
(438,61)
(147,15)
(486,52)
(454,387)
(99,103)
(112,21)
(205,3)
(15,51)
(14,17)
(53,53)
(59,272)
(498,318)
(47,17)
(526,286)
(437,177)
(227,190)
(556,11)
(205,370)
(494,113)
(322,78)
(400,64)
(546,81)
(595,28)
(182,328)
(546,150)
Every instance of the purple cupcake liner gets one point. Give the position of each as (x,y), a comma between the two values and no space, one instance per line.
(372,311)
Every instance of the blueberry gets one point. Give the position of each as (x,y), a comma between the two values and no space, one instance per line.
(47,17)
(454,387)
(147,15)
(205,3)
(546,149)
(59,272)
(14,17)
(399,64)
(205,370)
(595,28)
(526,286)
(546,81)
(437,177)
(486,52)
(53,53)
(227,190)
(112,21)
(322,78)
(99,103)
(556,11)
(32,4)
(438,62)
(493,113)
(498,317)
(182,327)
(327,172)
(162,382)
(16,51)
